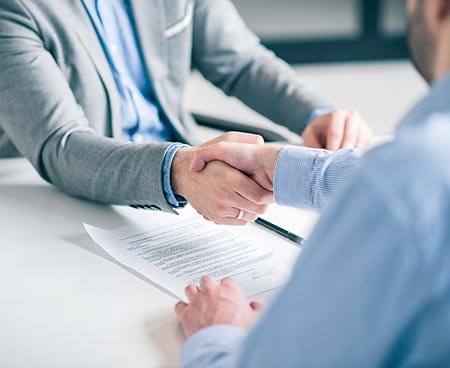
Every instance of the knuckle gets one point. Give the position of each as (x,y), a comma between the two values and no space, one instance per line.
(337,114)
(219,147)
(221,198)
(259,197)
(227,282)
(261,209)
(335,130)
(189,288)
(258,139)
(351,133)
(228,136)
(208,289)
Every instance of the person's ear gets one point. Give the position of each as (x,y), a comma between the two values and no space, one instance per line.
(440,12)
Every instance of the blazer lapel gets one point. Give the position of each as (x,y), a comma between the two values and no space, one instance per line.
(88,36)
(149,17)
(150,20)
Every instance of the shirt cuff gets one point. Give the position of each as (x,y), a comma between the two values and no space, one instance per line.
(216,346)
(319,111)
(174,200)
(292,178)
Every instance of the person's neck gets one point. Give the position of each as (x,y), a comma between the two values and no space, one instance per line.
(442,61)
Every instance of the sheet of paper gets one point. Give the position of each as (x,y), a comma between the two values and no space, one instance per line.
(173,251)
(298,221)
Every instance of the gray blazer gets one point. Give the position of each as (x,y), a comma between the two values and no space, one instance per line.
(59,105)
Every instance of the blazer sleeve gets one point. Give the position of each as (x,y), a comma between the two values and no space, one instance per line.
(40,115)
(229,55)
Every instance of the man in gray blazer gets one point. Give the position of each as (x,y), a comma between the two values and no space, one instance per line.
(91,92)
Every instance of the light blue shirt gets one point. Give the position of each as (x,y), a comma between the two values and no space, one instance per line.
(142,119)
(372,285)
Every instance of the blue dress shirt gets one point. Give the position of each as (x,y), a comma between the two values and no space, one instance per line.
(372,285)
(142,121)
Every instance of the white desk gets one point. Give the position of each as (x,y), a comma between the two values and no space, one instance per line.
(63,301)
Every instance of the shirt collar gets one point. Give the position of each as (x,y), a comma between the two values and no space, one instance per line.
(436,102)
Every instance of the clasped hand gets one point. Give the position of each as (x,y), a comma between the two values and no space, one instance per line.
(229,180)
(221,193)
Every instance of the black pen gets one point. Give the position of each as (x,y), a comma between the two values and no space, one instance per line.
(280,231)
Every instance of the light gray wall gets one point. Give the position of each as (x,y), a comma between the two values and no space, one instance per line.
(302,19)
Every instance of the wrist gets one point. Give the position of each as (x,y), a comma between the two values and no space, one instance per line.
(180,169)
(270,159)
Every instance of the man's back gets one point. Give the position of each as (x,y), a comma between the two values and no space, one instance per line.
(372,286)
(388,293)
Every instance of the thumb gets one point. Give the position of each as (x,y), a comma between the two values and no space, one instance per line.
(230,153)
(179,309)
(204,155)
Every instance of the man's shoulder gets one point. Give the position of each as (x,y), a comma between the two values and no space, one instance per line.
(33,9)
(423,148)
(412,173)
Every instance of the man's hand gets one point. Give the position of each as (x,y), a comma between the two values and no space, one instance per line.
(338,129)
(257,161)
(220,192)
(215,304)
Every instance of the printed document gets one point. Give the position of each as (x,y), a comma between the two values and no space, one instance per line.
(174,251)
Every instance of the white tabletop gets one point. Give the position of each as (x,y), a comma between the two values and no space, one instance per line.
(66,303)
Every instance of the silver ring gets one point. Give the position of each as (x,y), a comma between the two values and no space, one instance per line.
(241,215)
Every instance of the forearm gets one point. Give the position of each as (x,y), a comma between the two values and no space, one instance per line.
(271,87)
(311,178)
(105,170)
(232,57)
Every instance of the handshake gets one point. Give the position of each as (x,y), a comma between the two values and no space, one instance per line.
(228,180)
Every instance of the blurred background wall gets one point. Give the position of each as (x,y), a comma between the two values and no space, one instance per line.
(327,30)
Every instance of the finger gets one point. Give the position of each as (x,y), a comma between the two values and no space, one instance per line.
(237,137)
(351,132)
(204,155)
(207,218)
(229,221)
(179,309)
(207,283)
(191,291)
(233,214)
(247,216)
(257,307)
(254,196)
(240,137)
(335,131)
(311,139)
(365,136)
(235,203)
(234,154)
(228,282)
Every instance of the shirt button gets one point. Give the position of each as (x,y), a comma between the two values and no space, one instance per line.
(138,138)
